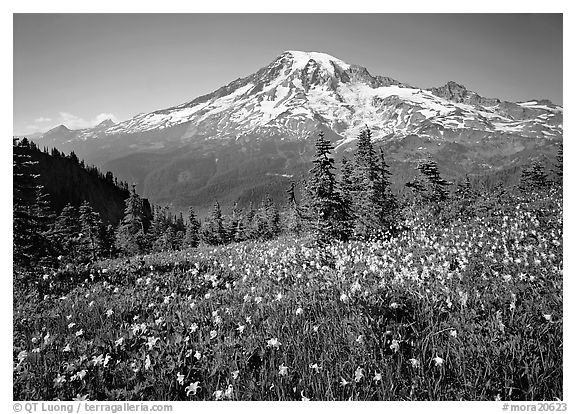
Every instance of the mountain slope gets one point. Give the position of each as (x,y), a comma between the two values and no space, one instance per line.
(173,153)
(300,91)
(66,180)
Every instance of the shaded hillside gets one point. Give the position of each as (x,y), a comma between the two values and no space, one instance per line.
(67,180)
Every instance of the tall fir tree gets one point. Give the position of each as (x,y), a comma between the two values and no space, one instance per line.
(464,189)
(325,213)
(192,236)
(108,241)
(465,196)
(429,186)
(385,204)
(159,236)
(363,184)
(248,222)
(131,235)
(32,215)
(368,182)
(91,232)
(559,167)
(214,233)
(66,233)
(293,216)
(271,218)
(232,224)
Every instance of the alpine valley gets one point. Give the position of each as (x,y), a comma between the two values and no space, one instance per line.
(256,134)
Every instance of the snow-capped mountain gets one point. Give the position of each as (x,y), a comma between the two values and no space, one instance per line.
(280,107)
(63,137)
(300,91)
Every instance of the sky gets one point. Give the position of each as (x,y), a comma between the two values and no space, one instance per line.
(79,69)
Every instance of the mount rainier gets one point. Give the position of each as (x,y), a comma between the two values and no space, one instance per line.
(265,124)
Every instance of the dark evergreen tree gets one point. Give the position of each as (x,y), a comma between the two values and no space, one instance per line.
(248,222)
(534,176)
(559,167)
(108,241)
(465,197)
(66,233)
(192,236)
(271,219)
(240,231)
(293,216)
(131,234)
(158,229)
(214,233)
(346,183)
(384,203)
(365,157)
(32,215)
(44,219)
(168,240)
(368,184)
(91,232)
(464,189)
(167,231)
(257,228)
(232,225)
(429,186)
(325,212)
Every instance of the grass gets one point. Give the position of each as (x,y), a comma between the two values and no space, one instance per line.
(468,308)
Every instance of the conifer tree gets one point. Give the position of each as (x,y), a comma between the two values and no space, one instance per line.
(559,167)
(240,231)
(430,187)
(44,219)
(108,241)
(257,228)
(271,218)
(32,215)
(464,189)
(346,183)
(91,231)
(169,239)
(131,234)
(66,233)
(214,232)
(365,157)
(368,183)
(232,225)
(179,222)
(248,222)
(192,236)
(385,204)
(325,210)
(465,196)
(293,218)
(159,229)
(534,176)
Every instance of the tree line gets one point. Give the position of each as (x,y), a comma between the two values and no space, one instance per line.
(353,201)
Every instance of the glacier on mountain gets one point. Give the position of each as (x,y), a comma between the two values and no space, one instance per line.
(300,92)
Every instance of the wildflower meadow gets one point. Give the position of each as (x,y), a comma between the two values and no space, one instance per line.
(461,308)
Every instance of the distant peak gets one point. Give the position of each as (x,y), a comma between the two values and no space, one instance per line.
(301,59)
(106,123)
(60,127)
(454,85)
